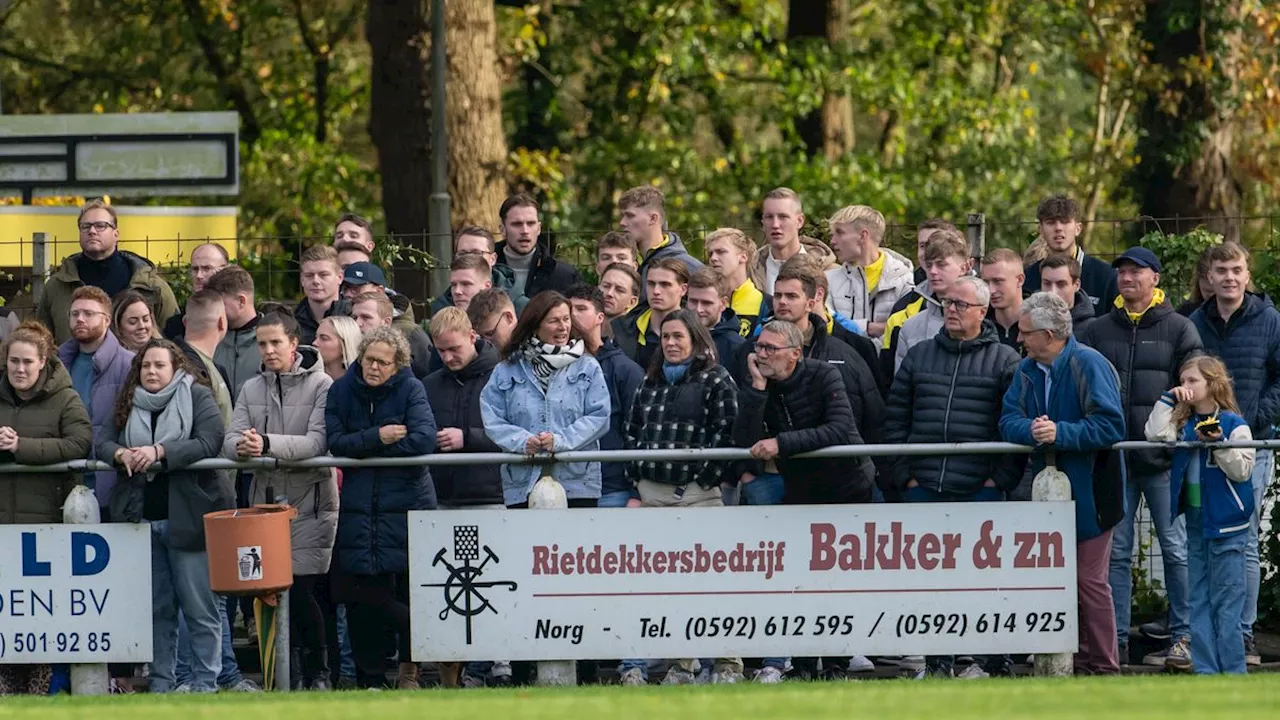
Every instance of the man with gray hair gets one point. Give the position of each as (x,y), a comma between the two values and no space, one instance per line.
(949,389)
(794,405)
(1064,400)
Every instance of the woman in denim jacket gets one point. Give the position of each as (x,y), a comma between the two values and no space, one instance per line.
(547,395)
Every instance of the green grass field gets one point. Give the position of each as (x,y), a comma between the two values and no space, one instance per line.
(1163,697)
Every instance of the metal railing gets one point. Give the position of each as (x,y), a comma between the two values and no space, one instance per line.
(580,456)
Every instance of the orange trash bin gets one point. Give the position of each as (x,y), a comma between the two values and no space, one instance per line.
(249,549)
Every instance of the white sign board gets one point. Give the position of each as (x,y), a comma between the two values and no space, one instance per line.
(817,580)
(124,154)
(75,593)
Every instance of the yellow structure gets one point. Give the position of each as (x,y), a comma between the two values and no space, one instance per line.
(160,234)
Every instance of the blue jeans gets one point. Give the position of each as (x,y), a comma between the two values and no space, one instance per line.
(919,494)
(230,674)
(1263,468)
(1172,533)
(347,666)
(616,499)
(180,581)
(766,489)
(1216,570)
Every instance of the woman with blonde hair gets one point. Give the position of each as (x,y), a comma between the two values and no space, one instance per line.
(1211,485)
(338,342)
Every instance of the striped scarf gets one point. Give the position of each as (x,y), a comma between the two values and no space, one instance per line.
(547,359)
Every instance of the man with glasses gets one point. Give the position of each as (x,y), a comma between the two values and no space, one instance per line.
(1065,399)
(98,364)
(493,315)
(206,260)
(101,264)
(793,405)
(474,242)
(949,389)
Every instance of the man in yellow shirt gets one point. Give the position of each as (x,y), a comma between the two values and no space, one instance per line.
(730,254)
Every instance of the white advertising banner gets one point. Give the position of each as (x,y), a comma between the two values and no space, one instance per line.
(75,593)
(819,580)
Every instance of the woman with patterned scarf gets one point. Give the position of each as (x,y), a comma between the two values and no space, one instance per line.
(165,420)
(547,396)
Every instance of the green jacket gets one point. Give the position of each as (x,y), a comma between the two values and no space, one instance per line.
(55,302)
(52,427)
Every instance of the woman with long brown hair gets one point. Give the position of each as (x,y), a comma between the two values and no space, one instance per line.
(166,419)
(547,395)
(42,421)
(132,320)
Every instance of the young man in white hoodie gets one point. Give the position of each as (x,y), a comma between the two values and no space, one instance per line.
(870,279)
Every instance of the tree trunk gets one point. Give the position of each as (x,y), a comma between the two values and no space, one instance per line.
(1185,150)
(400,120)
(828,129)
(473,112)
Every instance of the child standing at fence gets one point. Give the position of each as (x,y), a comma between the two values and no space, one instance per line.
(1211,486)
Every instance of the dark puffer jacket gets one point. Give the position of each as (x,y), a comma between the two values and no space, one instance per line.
(308,323)
(455,401)
(52,427)
(949,390)
(1249,344)
(1147,356)
(806,412)
(623,377)
(860,382)
(373,524)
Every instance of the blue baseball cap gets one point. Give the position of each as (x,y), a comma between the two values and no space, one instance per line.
(1139,256)
(363,273)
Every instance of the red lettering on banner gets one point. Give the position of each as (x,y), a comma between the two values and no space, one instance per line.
(610,563)
(718,561)
(1038,550)
(660,563)
(929,546)
(635,560)
(541,560)
(822,552)
(950,543)
(566,564)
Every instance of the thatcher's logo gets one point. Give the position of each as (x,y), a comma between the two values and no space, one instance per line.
(462,590)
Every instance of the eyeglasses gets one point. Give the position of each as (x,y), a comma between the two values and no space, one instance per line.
(461,253)
(100,226)
(765,350)
(86,314)
(376,362)
(958,305)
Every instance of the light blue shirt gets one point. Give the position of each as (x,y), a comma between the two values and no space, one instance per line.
(1048,383)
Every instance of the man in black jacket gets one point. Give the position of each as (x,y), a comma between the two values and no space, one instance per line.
(709,297)
(951,389)
(1059,224)
(454,394)
(795,299)
(795,405)
(1060,275)
(533,267)
(322,284)
(1147,342)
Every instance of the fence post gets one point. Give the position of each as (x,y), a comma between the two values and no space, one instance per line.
(39,265)
(1052,485)
(283,672)
(547,494)
(976,231)
(81,508)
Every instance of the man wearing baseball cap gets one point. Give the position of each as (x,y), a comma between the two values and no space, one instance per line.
(1147,342)
(362,277)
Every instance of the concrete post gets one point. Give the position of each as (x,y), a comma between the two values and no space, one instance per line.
(81,508)
(282,673)
(1052,485)
(547,494)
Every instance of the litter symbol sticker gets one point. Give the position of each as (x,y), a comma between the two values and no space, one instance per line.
(249,562)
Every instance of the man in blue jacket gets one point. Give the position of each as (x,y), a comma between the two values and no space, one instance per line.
(1244,330)
(1065,400)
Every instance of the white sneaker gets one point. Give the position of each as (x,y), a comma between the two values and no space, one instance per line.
(973,672)
(912,662)
(244,686)
(860,663)
(769,676)
(726,677)
(632,677)
(679,676)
